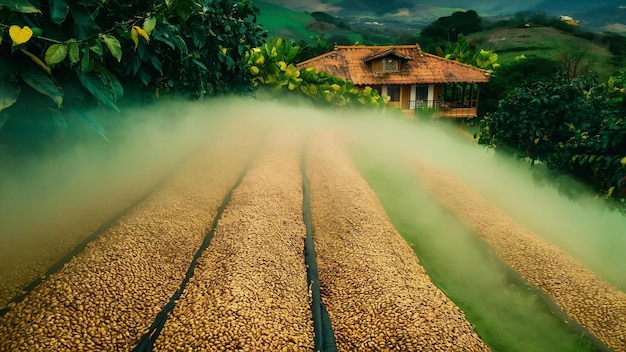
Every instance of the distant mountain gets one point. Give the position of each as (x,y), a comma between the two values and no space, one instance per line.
(579,6)
(483,7)
(595,15)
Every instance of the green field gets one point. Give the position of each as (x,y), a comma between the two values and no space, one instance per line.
(284,23)
(546,42)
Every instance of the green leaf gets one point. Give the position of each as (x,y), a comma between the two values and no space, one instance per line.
(23,6)
(180,44)
(95,125)
(59,120)
(163,35)
(199,64)
(58,10)
(184,9)
(97,88)
(110,80)
(198,36)
(144,77)
(86,64)
(42,83)
(114,46)
(9,89)
(3,119)
(97,49)
(116,86)
(55,54)
(73,53)
(85,27)
(156,63)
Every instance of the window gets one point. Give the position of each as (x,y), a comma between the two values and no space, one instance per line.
(394,93)
(421,92)
(390,64)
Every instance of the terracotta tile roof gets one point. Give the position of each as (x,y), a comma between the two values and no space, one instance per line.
(351,62)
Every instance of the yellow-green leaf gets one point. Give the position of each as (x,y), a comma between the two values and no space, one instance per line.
(20,35)
(55,54)
(610,192)
(149,24)
(254,70)
(134,36)
(73,52)
(114,46)
(623,161)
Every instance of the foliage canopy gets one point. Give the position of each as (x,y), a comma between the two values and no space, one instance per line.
(273,66)
(573,126)
(79,52)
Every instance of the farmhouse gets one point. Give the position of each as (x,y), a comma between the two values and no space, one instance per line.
(411,78)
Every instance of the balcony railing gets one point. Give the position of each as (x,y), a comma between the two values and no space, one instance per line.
(448,109)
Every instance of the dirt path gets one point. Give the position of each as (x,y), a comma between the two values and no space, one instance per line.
(249,290)
(583,295)
(376,293)
(105,297)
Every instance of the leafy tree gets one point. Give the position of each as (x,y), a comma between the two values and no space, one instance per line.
(69,54)
(464,52)
(449,27)
(519,73)
(320,27)
(572,126)
(617,47)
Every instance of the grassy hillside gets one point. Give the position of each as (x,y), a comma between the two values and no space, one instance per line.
(282,22)
(546,42)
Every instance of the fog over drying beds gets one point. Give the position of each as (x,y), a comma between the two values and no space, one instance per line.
(48,205)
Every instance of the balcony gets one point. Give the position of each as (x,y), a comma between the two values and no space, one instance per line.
(446,109)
